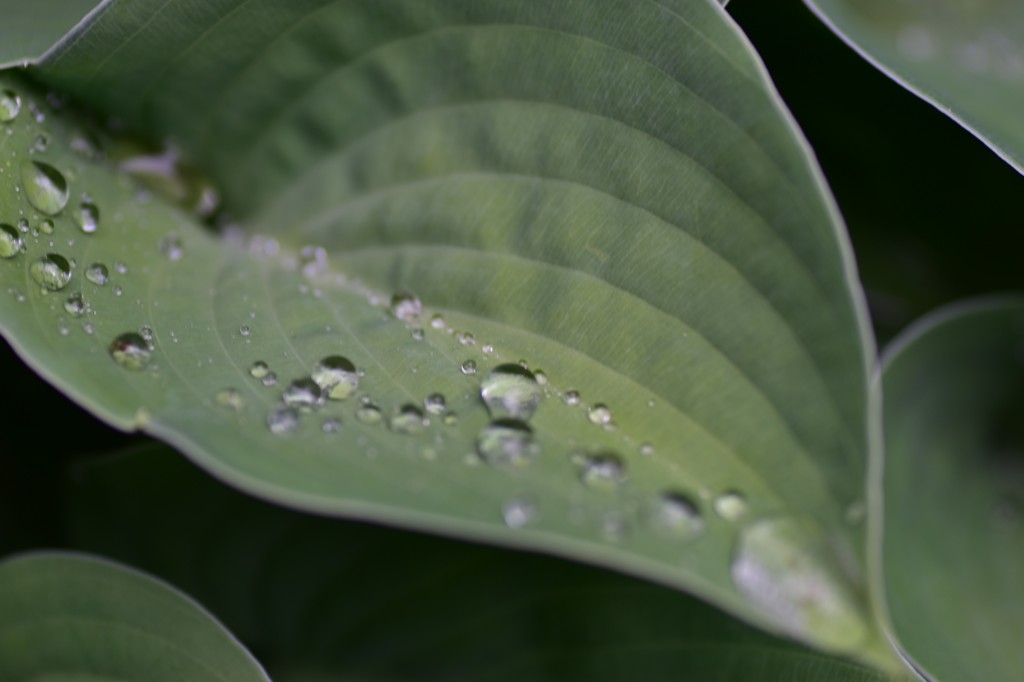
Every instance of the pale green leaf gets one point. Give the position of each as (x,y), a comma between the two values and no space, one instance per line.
(966,58)
(74,618)
(29,27)
(609,191)
(954,491)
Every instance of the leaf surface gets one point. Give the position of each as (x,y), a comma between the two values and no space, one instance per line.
(966,58)
(609,192)
(954,490)
(320,599)
(69,617)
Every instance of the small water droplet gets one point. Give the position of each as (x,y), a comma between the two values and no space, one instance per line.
(571,397)
(170,247)
(331,425)
(259,369)
(118,291)
(45,186)
(435,403)
(541,377)
(146,332)
(62,328)
(88,217)
(10,105)
(11,242)
(406,306)
(510,391)
(303,394)
(282,419)
(75,306)
(518,513)
(368,413)
(52,272)
(646,449)
(677,514)
(437,321)
(131,351)
(507,442)
(229,398)
(46,226)
(731,505)
(336,376)
(88,328)
(601,471)
(465,338)
(244,330)
(451,419)
(600,414)
(23,225)
(121,267)
(408,420)
(469,367)
(98,274)
(40,143)
(270,379)
(787,571)
(418,334)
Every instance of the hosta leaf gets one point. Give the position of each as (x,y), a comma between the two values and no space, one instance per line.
(966,58)
(28,27)
(67,617)
(954,491)
(608,191)
(324,600)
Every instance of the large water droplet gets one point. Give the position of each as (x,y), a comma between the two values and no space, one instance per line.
(11,243)
(10,105)
(337,377)
(731,505)
(406,307)
(75,306)
(131,351)
(510,392)
(52,271)
(600,414)
(677,514)
(518,513)
(408,420)
(786,571)
(507,443)
(602,471)
(282,419)
(45,186)
(98,274)
(88,217)
(303,395)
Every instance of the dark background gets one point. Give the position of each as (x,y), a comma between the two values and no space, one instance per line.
(934,216)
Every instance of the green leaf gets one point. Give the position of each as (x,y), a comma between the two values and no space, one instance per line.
(609,191)
(28,28)
(954,490)
(965,58)
(325,600)
(67,617)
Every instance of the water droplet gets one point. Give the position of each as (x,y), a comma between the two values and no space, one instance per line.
(571,397)
(541,377)
(507,443)
(131,351)
(11,243)
(646,449)
(437,321)
(88,328)
(259,369)
(600,414)
(75,306)
(244,330)
(465,338)
(40,143)
(418,333)
(170,247)
(510,391)
(270,379)
(331,425)
(52,271)
(408,420)
(46,226)
(518,513)
(469,367)
(786,571)
(88,217)
(121,267)
(435,403)
(303,394)
(602,471)
(336,376)
(45,186)
(451,419)
(98,274)
(282,419)
(731,506)
(677,514)
(368,413)
(406,306)
(10,105)
(229,398)
(146,332)
(118,291)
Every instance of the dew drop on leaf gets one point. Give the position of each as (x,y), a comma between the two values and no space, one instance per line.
(646,449)
(368,413)
(731,505)
(46,226)
(677,514)
(52,271)
(98,274)
(88,217)
(244,330)
(303,394)
(45,187)
(507,442)
(600,414)
(469,367)
(510,392)
(331,425)
(282,419)
(131,351)
(406,306)
(518,513)
(170,247)
(408,420)
(602,471)
(437,321)
(435,403)
(336,376)
(571,397)
(269,379)
(230,399)
(75,306)
(10,105)
(259,369)
(11,243)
